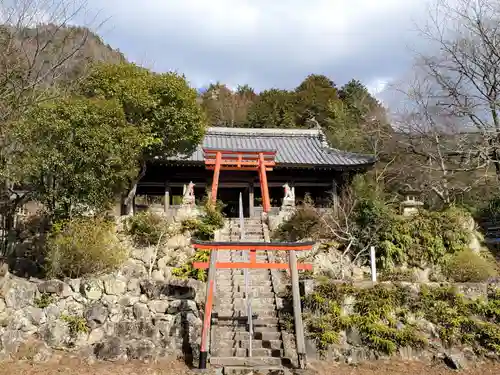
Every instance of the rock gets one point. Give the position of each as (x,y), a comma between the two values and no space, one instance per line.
(116,313)
(96,315)
(145,255)
(163,262)
(158,306)
(55,333)
(128,300)
(178,241)
(141,350)
(19,321)
(134,287)
(74,284)
(73,308)
(136,329)
(179,289)
(92,289)
(18,293)
(52,312)
(114,286)
(36,315)
(143,298)
(141,311)
(422,275)
(11,340)
(112,349)
(133,268)
(43,354)
(178,306)
(353,337)
(55,287)
(109,300)
(165,324)
(455,361)
(358,273)
(79,298)
(158,276)
(96,335)
(2,305)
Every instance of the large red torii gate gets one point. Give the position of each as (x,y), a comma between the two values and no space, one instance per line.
(242,160)
(252,248)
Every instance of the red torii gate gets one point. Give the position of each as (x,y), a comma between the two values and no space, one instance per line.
(252,247)
(242,160)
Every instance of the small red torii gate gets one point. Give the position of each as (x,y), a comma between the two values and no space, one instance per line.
(252,247)
(241,160)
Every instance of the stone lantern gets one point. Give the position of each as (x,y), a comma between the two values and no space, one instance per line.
(411,203)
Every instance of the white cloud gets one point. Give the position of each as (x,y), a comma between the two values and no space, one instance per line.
(265,43)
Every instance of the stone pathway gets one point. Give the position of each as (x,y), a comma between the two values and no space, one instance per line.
(230,336)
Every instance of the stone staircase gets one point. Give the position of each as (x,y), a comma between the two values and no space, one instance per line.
(229,334)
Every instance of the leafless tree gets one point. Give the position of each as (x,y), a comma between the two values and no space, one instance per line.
(465,67)
(443,157)
(451,125)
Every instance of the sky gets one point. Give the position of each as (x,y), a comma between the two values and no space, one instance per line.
(265,43)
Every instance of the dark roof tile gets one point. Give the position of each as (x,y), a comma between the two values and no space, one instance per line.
(294,147)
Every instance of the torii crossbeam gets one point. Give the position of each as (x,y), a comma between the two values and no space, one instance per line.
(252,247)
(261,161)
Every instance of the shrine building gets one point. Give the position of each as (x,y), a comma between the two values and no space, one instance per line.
(252,161)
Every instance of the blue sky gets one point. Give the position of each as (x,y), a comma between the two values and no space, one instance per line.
(266,43)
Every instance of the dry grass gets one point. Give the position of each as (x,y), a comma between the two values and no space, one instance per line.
(70,366)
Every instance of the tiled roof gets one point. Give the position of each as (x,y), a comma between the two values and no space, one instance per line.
(294,147)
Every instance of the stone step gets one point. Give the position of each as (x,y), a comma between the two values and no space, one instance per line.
(243,301)
(240,322)
(251,277)
(226,284)
(240,352)
(265,335)
(264,370)
(257,306)
(253,361)
(235,313)
(223,294)
(264,286)
(245,344)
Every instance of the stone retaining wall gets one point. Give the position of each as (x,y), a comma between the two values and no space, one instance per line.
(111,318)
(139,312)
(351,349)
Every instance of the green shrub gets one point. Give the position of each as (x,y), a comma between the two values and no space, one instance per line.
(43,301)
(424,239)
(188,271)
(76,324)
(83,246)
(304,223)
(467,266)
(382,314)
(398,274)
(204,227)
(147,228)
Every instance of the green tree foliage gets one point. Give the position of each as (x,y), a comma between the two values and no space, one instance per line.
(225,107)
(76,153)
(358,99)
(163,104)
(272,109)
(312,98)
(358,122)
